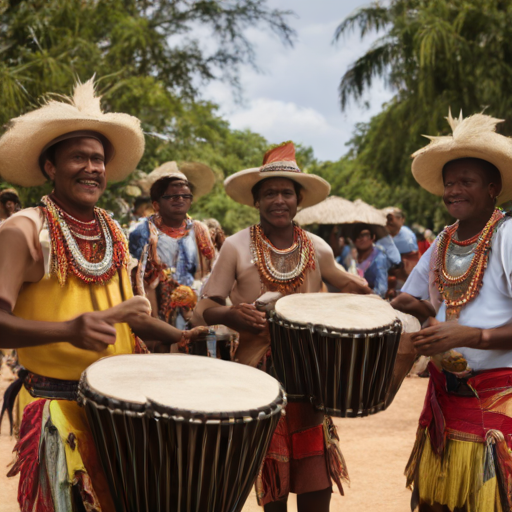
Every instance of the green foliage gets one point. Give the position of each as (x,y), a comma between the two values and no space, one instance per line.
(150,62)
(434,54)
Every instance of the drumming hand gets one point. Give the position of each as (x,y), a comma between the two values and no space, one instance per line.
(438,337)
(90,332)
(192,335)
(247,318)
(126,310)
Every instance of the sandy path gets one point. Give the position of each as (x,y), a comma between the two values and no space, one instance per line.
(376,450)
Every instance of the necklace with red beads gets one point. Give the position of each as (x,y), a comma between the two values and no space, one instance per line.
(460,284)
(93,251)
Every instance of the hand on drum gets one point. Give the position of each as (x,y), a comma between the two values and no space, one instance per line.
(247,318)
(95,330)
(192,335)
(438,337)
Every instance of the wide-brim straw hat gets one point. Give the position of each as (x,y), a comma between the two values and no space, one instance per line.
(278,162)
(199,175)
(29,135)
(473,137)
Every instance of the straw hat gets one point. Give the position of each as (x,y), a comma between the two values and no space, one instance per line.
(29,135)
(278,162)
(199,175)
(474,137)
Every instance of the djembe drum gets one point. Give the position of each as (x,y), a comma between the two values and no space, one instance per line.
(178,432)
(336,350)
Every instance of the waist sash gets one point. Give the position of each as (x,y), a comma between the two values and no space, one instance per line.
(47,387)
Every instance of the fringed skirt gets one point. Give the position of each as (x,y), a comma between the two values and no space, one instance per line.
(303,456)
(57,461)
(458,479)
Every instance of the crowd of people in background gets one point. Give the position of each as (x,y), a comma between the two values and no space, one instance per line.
(366,252)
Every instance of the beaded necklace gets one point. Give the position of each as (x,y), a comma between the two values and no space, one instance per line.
(92,251)
(173,232)
(282,270)
(458,290)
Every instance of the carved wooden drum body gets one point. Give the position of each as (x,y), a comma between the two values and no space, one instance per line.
(336,350)
(179,432)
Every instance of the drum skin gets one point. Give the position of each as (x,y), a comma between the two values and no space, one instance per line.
(344,374)
(161,459)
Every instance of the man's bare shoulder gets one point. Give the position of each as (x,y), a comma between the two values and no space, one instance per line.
(23,227)
(19,221)
(242,237)
(319,244)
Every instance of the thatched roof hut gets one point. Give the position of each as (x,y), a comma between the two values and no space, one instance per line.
(336,210)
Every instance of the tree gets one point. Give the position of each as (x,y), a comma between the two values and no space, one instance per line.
(150,61)
(434,54)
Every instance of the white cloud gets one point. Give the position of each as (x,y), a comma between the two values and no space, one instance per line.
(278,121)
(295,96)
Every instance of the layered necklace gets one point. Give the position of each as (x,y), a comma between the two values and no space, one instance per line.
(177,233)
(460,265)
(282,270)
(92,251)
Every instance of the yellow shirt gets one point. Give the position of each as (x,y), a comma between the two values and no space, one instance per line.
(47,301)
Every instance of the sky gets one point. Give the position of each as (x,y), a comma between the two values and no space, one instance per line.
(294,94)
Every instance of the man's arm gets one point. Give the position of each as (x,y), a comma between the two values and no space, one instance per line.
(345,282)
(421,309)
(244,317)
(442,336)
(150,328)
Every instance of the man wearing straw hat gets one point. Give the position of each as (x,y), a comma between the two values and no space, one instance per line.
(65,294)
(179,249)
(278,256)
(462,460)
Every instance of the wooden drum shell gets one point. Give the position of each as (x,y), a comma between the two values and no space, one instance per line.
(344,374)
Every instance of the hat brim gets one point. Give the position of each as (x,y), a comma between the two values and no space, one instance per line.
(239,185)
(21,145)
(199,175)
(428,163)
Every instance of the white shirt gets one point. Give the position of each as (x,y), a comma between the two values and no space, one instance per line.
(492,307)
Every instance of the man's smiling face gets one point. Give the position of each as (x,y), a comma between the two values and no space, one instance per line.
(78,171)
(277,201)
(467,190)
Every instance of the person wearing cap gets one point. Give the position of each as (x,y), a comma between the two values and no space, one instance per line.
(463,285)
(179,249)
(9,203)
(65,294)
(279,257)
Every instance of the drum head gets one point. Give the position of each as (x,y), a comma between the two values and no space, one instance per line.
(181,382)
(337,311)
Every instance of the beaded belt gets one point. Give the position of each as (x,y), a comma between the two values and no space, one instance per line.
(47,387)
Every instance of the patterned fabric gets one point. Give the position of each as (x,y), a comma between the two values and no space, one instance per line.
(375,271)
(57,460)
(303,456)
(475,410)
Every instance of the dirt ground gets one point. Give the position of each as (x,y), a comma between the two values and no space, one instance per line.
(376,449)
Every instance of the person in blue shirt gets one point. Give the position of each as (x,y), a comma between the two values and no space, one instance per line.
(406,243)
(372,263)
(404,237)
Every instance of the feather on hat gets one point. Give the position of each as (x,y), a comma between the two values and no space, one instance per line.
(473,137)
(29,135)
(278,162)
